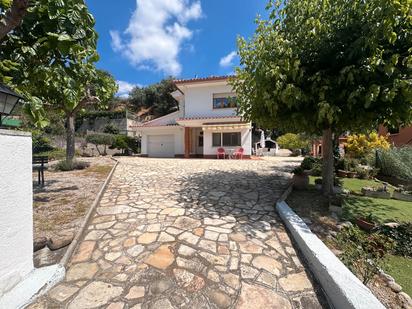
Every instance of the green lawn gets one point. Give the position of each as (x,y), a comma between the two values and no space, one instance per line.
(400,268)
(383,209)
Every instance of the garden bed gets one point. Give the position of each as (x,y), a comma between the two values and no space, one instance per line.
(313,208)
(60,206)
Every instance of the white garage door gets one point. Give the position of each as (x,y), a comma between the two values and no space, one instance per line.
(161,146)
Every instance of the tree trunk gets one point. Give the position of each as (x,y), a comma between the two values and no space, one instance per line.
(13,17)
(327,161)
(70,142)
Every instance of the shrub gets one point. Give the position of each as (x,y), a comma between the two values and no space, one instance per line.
(402,235)
(317,169)
(55,154)
(347,164)
(395,162)
(309,162)
(298,171)
(40,143)
(358,146)
(364,254)
(292,142)
(125,143)
(111,129)
(65,165)
(100,139)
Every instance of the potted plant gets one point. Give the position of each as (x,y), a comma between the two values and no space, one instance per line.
(366,223)
(300,179)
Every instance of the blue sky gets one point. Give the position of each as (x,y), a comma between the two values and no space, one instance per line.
(143,41)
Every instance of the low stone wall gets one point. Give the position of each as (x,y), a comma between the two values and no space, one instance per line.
(343,289)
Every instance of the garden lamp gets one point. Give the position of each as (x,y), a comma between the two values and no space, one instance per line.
(8,100)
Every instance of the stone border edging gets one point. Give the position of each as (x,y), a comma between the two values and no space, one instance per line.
(342,288)
(73,245)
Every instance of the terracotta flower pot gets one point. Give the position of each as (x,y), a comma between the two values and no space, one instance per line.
(300,182)
(364,224)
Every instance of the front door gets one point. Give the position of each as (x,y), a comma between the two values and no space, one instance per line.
(197,141)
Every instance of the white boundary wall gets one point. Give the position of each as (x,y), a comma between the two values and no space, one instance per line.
(16,211)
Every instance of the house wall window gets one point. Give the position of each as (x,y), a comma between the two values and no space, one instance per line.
(217,140)
(226,139)
(224,100)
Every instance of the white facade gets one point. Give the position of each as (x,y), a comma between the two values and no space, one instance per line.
(188,132)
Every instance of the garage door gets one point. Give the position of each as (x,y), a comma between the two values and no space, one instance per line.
(161,146)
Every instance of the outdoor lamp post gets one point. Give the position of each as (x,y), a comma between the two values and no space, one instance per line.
(8,100)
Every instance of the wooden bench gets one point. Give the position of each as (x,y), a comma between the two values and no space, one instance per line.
(40,164)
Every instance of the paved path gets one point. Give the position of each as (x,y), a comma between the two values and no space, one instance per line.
(187,234)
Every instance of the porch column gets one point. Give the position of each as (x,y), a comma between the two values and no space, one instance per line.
(187,142)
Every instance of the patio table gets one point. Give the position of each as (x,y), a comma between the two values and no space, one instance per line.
(231,152)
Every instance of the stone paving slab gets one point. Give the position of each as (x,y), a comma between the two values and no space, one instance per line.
(172,233)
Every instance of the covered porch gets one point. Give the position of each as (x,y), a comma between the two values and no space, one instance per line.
(203,137)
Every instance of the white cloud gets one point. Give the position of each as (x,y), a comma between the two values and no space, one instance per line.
(227,60)
(156,32)
(125,88)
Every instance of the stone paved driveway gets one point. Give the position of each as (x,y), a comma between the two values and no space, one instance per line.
(187,234)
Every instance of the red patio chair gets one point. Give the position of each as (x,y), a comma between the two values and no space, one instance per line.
(239,153)
(221,153)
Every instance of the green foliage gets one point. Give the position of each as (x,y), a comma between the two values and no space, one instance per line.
(298,171)
(156,96)
(125,143)
(110,128)
(308,162)
(364,254)
(53,55)
(402,235)
(324,67)
(347,164)
(395,162)
(317,169)
(5,4)
(65,166)
(40,143)
(316,64)
(55,154)
(292,141)
(100,139)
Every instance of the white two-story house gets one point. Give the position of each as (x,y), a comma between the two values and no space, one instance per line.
(206,120)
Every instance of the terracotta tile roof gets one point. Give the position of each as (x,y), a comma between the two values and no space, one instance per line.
(224,123)
(205,118)
(154,125)
(201,79)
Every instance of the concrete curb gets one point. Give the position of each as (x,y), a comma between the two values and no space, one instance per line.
(342,288)
(64,261)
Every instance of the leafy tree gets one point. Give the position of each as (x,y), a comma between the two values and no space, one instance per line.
(100,139)
(11,15)
(325,67)
(51,58)
(156,96)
